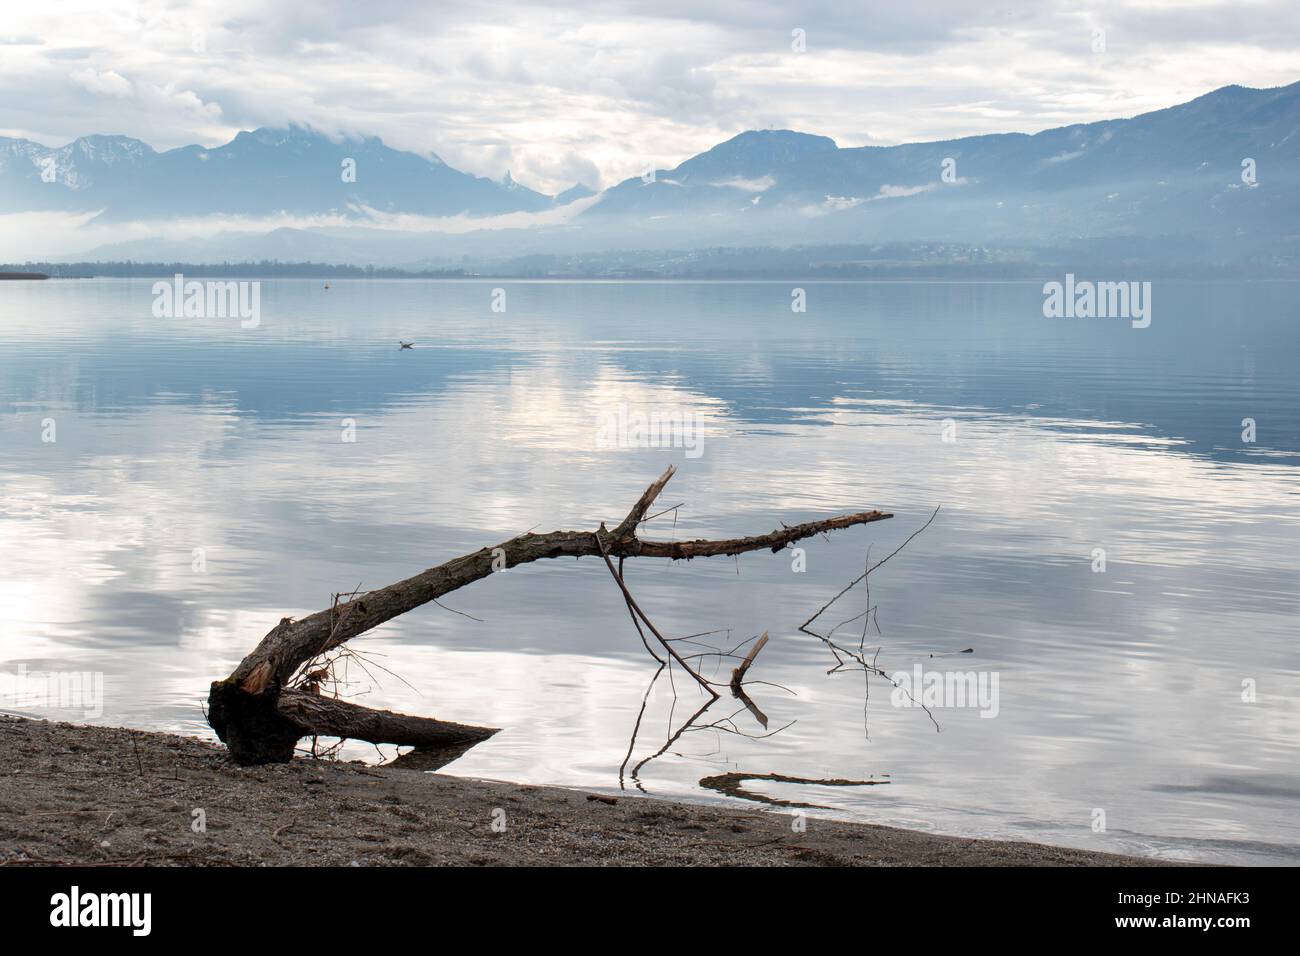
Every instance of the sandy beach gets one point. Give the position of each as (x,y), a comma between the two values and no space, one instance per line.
(107,796)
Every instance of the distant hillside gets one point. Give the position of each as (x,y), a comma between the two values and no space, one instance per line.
(261,173)
(1175,171)
(1159,257)
(1222,169)
(264,269)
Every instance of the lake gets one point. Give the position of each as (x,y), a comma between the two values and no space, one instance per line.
(1121,564)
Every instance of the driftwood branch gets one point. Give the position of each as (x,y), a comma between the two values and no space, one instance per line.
(847,658)
(732,784)
(637,613)
(738,675)
(245,708)
(327,717)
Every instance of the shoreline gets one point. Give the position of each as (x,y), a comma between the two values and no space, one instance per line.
(72,794)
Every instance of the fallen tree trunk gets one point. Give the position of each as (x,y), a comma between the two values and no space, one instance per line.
(260,717)
(325,716)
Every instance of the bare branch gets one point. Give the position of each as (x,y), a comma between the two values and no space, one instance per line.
(248,696)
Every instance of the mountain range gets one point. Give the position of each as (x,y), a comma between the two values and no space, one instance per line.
(1223,168)
(293,171)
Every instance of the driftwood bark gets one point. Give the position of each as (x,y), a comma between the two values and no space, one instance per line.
(738,674)
(260,717)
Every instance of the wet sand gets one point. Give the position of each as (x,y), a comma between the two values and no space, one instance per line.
(97,795)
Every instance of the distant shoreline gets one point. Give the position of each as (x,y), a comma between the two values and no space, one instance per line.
(102,795)
(864,262)
(192,271)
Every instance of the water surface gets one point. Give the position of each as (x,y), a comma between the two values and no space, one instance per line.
(1119,691)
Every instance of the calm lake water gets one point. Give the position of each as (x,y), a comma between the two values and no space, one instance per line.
(1119,691)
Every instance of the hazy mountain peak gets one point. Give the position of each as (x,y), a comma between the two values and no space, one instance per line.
(275,136)
(785,138)
(96,142)
(78,157)
(756,152)
(573,194)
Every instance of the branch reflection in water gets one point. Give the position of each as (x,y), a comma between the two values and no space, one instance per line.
(847,658)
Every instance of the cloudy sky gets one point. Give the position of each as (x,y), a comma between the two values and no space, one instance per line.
(596,91)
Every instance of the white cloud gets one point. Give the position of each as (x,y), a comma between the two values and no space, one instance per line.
(39,235)
(1064,157)
(108,83)
(838,203)
(895,192)
(595,92)
(760,185)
